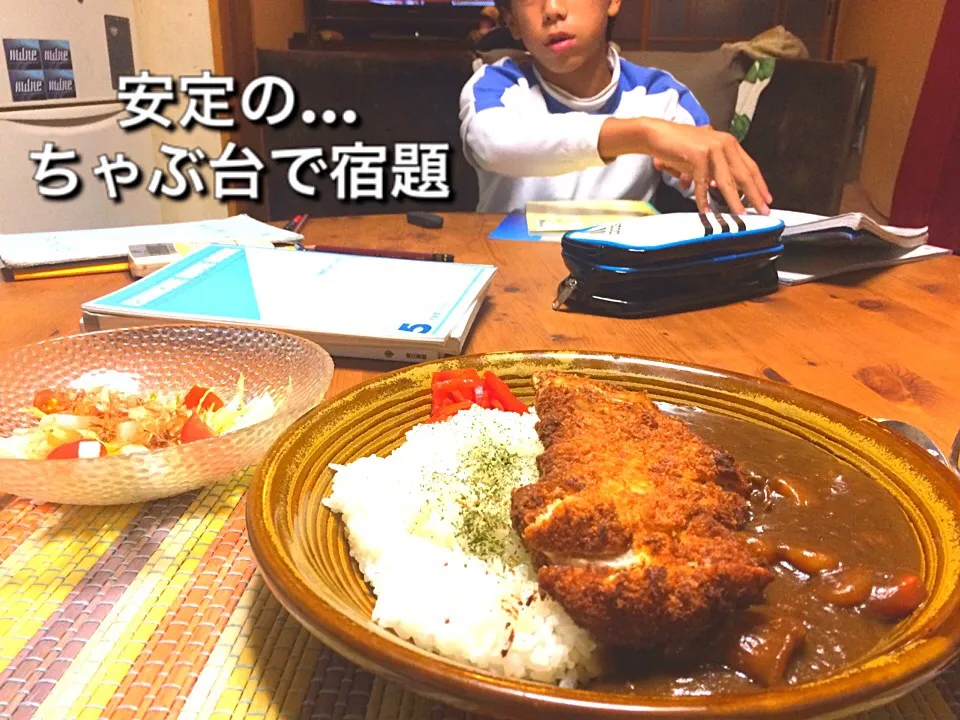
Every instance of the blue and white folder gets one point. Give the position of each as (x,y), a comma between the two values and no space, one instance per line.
(354,306)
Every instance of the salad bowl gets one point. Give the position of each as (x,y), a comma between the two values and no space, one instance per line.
(136,414)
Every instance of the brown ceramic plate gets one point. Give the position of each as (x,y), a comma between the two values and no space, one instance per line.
(304,557)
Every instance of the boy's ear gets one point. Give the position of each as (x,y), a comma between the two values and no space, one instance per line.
(613,8)
(507,18)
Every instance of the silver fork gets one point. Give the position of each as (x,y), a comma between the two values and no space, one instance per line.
(955,452)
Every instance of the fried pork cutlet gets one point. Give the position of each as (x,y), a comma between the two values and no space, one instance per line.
(635,520)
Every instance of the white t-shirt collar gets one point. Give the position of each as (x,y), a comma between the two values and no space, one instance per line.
(590,104)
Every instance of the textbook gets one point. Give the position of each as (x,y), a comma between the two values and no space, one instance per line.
(47,254)
(354,306)
(818,247)
(846,229)
(550,219)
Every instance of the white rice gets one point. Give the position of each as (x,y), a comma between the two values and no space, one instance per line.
(412,519)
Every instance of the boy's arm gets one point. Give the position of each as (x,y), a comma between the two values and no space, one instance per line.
(691,154)
(686,111)
(499,137)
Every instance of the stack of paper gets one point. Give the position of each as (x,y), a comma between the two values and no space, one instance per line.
(71,250)
(354,306)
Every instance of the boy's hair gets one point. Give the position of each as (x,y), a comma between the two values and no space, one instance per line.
(504,7)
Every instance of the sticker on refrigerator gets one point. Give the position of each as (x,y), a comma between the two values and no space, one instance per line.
(55,55)
(59,84)
(22,54)
(39,69)
(27,85)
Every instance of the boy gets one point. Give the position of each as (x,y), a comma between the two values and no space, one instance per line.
(580,122)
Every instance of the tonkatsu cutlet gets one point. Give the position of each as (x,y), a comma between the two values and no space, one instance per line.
(635,520)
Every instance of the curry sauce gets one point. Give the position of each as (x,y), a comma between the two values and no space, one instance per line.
(848,568)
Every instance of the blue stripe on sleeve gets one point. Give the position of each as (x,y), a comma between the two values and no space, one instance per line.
(658,81)
(489,88)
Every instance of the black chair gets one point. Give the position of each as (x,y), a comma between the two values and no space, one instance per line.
(410,98)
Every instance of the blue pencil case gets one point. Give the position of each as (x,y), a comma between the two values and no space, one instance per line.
(663,264)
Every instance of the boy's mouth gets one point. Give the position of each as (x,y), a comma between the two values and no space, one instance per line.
(560,41)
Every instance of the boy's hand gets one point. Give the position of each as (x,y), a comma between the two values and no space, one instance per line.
(686,182)
(703,156)
(699,156)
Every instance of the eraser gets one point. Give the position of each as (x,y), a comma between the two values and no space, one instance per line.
(425,220)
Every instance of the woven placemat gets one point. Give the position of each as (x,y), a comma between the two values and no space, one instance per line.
(157,611)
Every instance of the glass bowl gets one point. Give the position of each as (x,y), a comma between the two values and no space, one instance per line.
(161,358)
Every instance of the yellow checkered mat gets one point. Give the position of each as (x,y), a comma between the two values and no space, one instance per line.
(156,610)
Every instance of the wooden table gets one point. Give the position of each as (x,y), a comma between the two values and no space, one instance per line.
(157,610)
(884,344)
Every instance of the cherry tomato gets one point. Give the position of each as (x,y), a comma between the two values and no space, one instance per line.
(195,429)
(203,397)
(47,401)
(78,449)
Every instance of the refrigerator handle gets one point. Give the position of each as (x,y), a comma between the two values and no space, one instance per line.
(64,115)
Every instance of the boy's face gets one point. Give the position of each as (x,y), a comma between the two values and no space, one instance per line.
(561,34)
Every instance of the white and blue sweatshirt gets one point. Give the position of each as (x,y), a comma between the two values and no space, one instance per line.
(530,140)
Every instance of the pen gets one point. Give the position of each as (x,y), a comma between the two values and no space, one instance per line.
(395,254)
(293,223)
(301,220)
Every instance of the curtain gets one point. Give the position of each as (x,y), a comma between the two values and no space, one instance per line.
(927,191)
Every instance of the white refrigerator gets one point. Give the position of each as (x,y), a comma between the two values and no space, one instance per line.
(60,69)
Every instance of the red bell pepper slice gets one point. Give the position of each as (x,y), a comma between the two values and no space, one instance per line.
(454,386)
(464,385)
(449,410)
(482,396)
(461,396)
(500,391)
(439,396)
(463,374)
(455,390)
